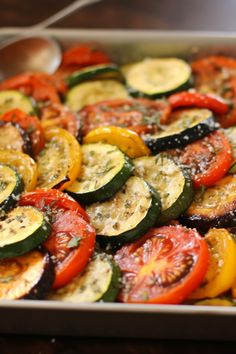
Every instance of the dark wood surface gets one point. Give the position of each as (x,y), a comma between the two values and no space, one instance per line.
(142,14)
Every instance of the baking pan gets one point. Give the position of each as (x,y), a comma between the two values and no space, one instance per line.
(114,319)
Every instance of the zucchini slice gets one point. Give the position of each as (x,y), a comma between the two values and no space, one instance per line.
(170,180)
(214,207)
(187,126)
(231,135)
(24,165)
(128,215)
(10,99)
(94,91)
(60,161)
(13,137)
(21,230)
(157,77)
(95,72)
(99,282)
(11,186)
(26,277)
(105,169)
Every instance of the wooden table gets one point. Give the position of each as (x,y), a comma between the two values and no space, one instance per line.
(145,14)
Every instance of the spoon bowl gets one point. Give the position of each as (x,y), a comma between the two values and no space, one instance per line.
(37,53)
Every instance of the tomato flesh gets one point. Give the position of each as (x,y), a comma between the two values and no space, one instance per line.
(139,115)
(208,159)
(38,85)
(72,240)
(164,266)
(216,74)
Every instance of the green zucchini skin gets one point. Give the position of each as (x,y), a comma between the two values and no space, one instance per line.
(113,185)
(99,282)
(111,294)
(11,200)
(11,99)
(157,77)
(95,72)
(107,191)
(138,94)
(158,144)
(140,229)
(27,244)
(181,204)
(168,178)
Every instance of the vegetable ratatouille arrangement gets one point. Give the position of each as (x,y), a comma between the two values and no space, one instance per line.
(118,183)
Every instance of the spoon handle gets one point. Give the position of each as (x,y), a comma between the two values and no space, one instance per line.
(61,14)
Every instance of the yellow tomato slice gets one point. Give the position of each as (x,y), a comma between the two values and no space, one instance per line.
(222,267)
(59,163)
(24,165)
(127,141)
(214,302)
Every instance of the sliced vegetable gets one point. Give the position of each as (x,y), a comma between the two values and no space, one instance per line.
(157,77)
(21,230)
(13,137)
(31,126)
(128,215)
(127,140)
(195,99)
(231,136)
(207,159)
(222,265)
(163,267)
(186,126)
(92,92)
(10,99)
(59,162)
(26,277)
(72,240)
(45,200)
(170,180)
(58,115)
(104,171)
(83,55)
(11,186)
(214,206)
(99,282)
(215,302)
(140,115)
(38,85)
(24,165)
(95,72)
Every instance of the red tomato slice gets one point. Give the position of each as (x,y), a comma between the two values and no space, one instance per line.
(43,199)
(60,116)
(164,266)
(140,115)
(194,99)
(72,240)
(216,74)
(71,244)
(208,159)
(38,85)
(29,123)
(83,55)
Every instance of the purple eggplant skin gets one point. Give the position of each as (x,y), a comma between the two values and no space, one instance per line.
(202,223)
(27,146)
(45,281)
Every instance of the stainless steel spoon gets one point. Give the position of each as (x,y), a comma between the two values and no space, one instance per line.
(31,51)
